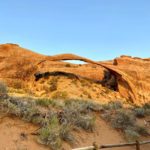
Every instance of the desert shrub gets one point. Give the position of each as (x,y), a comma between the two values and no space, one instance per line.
(25,110)
(77,113)
(134,132)
(11,108)
(44,102)
(50,134)
(60,95)
(107,116)
(39,120)
(122,120)
(95,107)
(3,89)
(56,124)
(131,135)
(83,106)
(141,130)
(86,122)
(146,106)
(139,112)
(147,112)
(113,105)
(54,132)
(30,113)
(74,106)
(65,133)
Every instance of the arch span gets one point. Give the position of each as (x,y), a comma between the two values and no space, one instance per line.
(121,77)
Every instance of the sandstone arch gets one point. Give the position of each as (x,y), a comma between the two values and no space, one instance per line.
(129,90)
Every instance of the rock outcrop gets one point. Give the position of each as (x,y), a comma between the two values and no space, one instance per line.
(130,76)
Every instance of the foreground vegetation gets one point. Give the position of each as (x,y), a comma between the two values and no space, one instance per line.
(125,119)
(60,117)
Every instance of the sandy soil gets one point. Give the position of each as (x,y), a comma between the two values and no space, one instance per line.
(15,135)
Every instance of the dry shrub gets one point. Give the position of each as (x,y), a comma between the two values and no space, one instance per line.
(139,112)
(122,120)
(77,113)
(60,95)
(3,89)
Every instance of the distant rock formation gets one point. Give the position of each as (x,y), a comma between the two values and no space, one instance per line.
(130,76)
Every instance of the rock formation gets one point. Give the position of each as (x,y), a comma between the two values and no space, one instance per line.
(127,75)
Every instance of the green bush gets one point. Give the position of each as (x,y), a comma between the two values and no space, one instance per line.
(3,89)
(45,102)
(50,134)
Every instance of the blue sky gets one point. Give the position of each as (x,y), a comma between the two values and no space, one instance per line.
(98,29)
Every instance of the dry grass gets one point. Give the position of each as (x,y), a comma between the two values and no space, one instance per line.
(3,88)
(60,95)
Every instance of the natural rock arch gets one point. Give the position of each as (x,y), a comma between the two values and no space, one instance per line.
(122,79)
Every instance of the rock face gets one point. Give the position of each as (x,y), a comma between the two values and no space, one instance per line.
(137,72)
(129,76)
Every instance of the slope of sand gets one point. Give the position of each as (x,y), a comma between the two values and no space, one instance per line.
(13,130)
(12,137)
